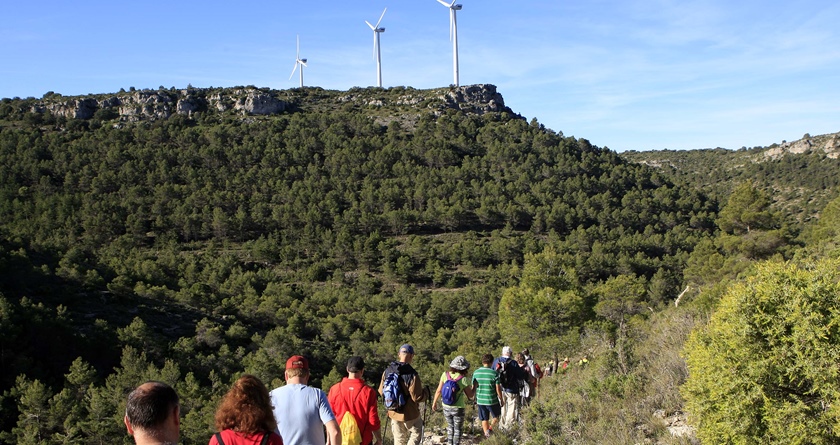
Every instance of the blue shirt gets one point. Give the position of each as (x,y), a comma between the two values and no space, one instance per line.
(301,412)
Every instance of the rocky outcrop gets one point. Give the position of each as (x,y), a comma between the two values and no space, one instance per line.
(139,105)
(829,144)
(259,103)
(479,99)
(145,105)
(152,105)
(72,109)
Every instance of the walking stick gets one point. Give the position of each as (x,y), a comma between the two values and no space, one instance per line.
(424,415)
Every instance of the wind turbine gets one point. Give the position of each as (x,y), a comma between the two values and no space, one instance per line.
(453,34)
(298,61)
(376,51)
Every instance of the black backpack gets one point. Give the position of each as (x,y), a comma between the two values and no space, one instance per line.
(506,368)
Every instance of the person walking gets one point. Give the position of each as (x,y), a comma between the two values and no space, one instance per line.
(352,395)
(510,376)
(406,421)
(453,410)
(302,411)
(245,416)
(488,394)
(527,386)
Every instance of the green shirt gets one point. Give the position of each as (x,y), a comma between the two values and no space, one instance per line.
(460,399)
(487,380)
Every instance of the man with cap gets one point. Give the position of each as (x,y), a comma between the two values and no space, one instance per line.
(153,414)
(352,395)
(510,374)
(302,411)
(406,424)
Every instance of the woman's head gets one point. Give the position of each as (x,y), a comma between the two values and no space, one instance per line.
(246,407)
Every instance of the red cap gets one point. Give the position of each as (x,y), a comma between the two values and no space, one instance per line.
(297,362)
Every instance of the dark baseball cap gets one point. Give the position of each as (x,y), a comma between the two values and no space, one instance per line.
(407,349)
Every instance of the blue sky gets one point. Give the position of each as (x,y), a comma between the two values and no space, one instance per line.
(628,75)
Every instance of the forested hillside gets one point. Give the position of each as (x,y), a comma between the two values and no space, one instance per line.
(190,236)
(800,175)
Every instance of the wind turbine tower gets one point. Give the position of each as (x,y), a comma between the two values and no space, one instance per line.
(376,51)
(298,61)
(453,34)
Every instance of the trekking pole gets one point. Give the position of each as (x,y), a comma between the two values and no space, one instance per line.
(423,426)
(425,414)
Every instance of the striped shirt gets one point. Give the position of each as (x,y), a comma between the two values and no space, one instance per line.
(487,380)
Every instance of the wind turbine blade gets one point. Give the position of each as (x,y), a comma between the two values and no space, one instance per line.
(453,3)
(304,64)
(298,46)
(444,3)
(380,17)
(371,26)
(293,71)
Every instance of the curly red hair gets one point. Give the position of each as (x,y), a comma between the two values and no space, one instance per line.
(246,408)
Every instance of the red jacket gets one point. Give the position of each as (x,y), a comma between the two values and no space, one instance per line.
(354,396)
(231,437)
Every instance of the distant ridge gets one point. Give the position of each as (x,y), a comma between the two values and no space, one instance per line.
(801,176)
(147,104)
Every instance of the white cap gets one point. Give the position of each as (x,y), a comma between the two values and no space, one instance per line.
(506,351)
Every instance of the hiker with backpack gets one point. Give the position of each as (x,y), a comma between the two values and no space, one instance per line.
(245,417)
(510,374)
(453,391)
(527,386)
(403,392)
(354,404)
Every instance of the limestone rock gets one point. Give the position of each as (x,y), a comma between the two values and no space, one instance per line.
(189,105)
(259,103)
(74,109)
(479,99)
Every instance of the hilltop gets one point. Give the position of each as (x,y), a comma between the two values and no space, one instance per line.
(398,103)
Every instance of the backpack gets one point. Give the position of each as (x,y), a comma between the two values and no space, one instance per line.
(539,370)
(350,434)
(507,376)
(392,389)
(449,392)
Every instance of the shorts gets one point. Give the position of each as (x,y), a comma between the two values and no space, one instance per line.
(484,411)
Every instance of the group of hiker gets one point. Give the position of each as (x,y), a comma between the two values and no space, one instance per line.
(299,414)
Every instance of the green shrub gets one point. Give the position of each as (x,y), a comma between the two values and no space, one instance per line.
(765,370)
